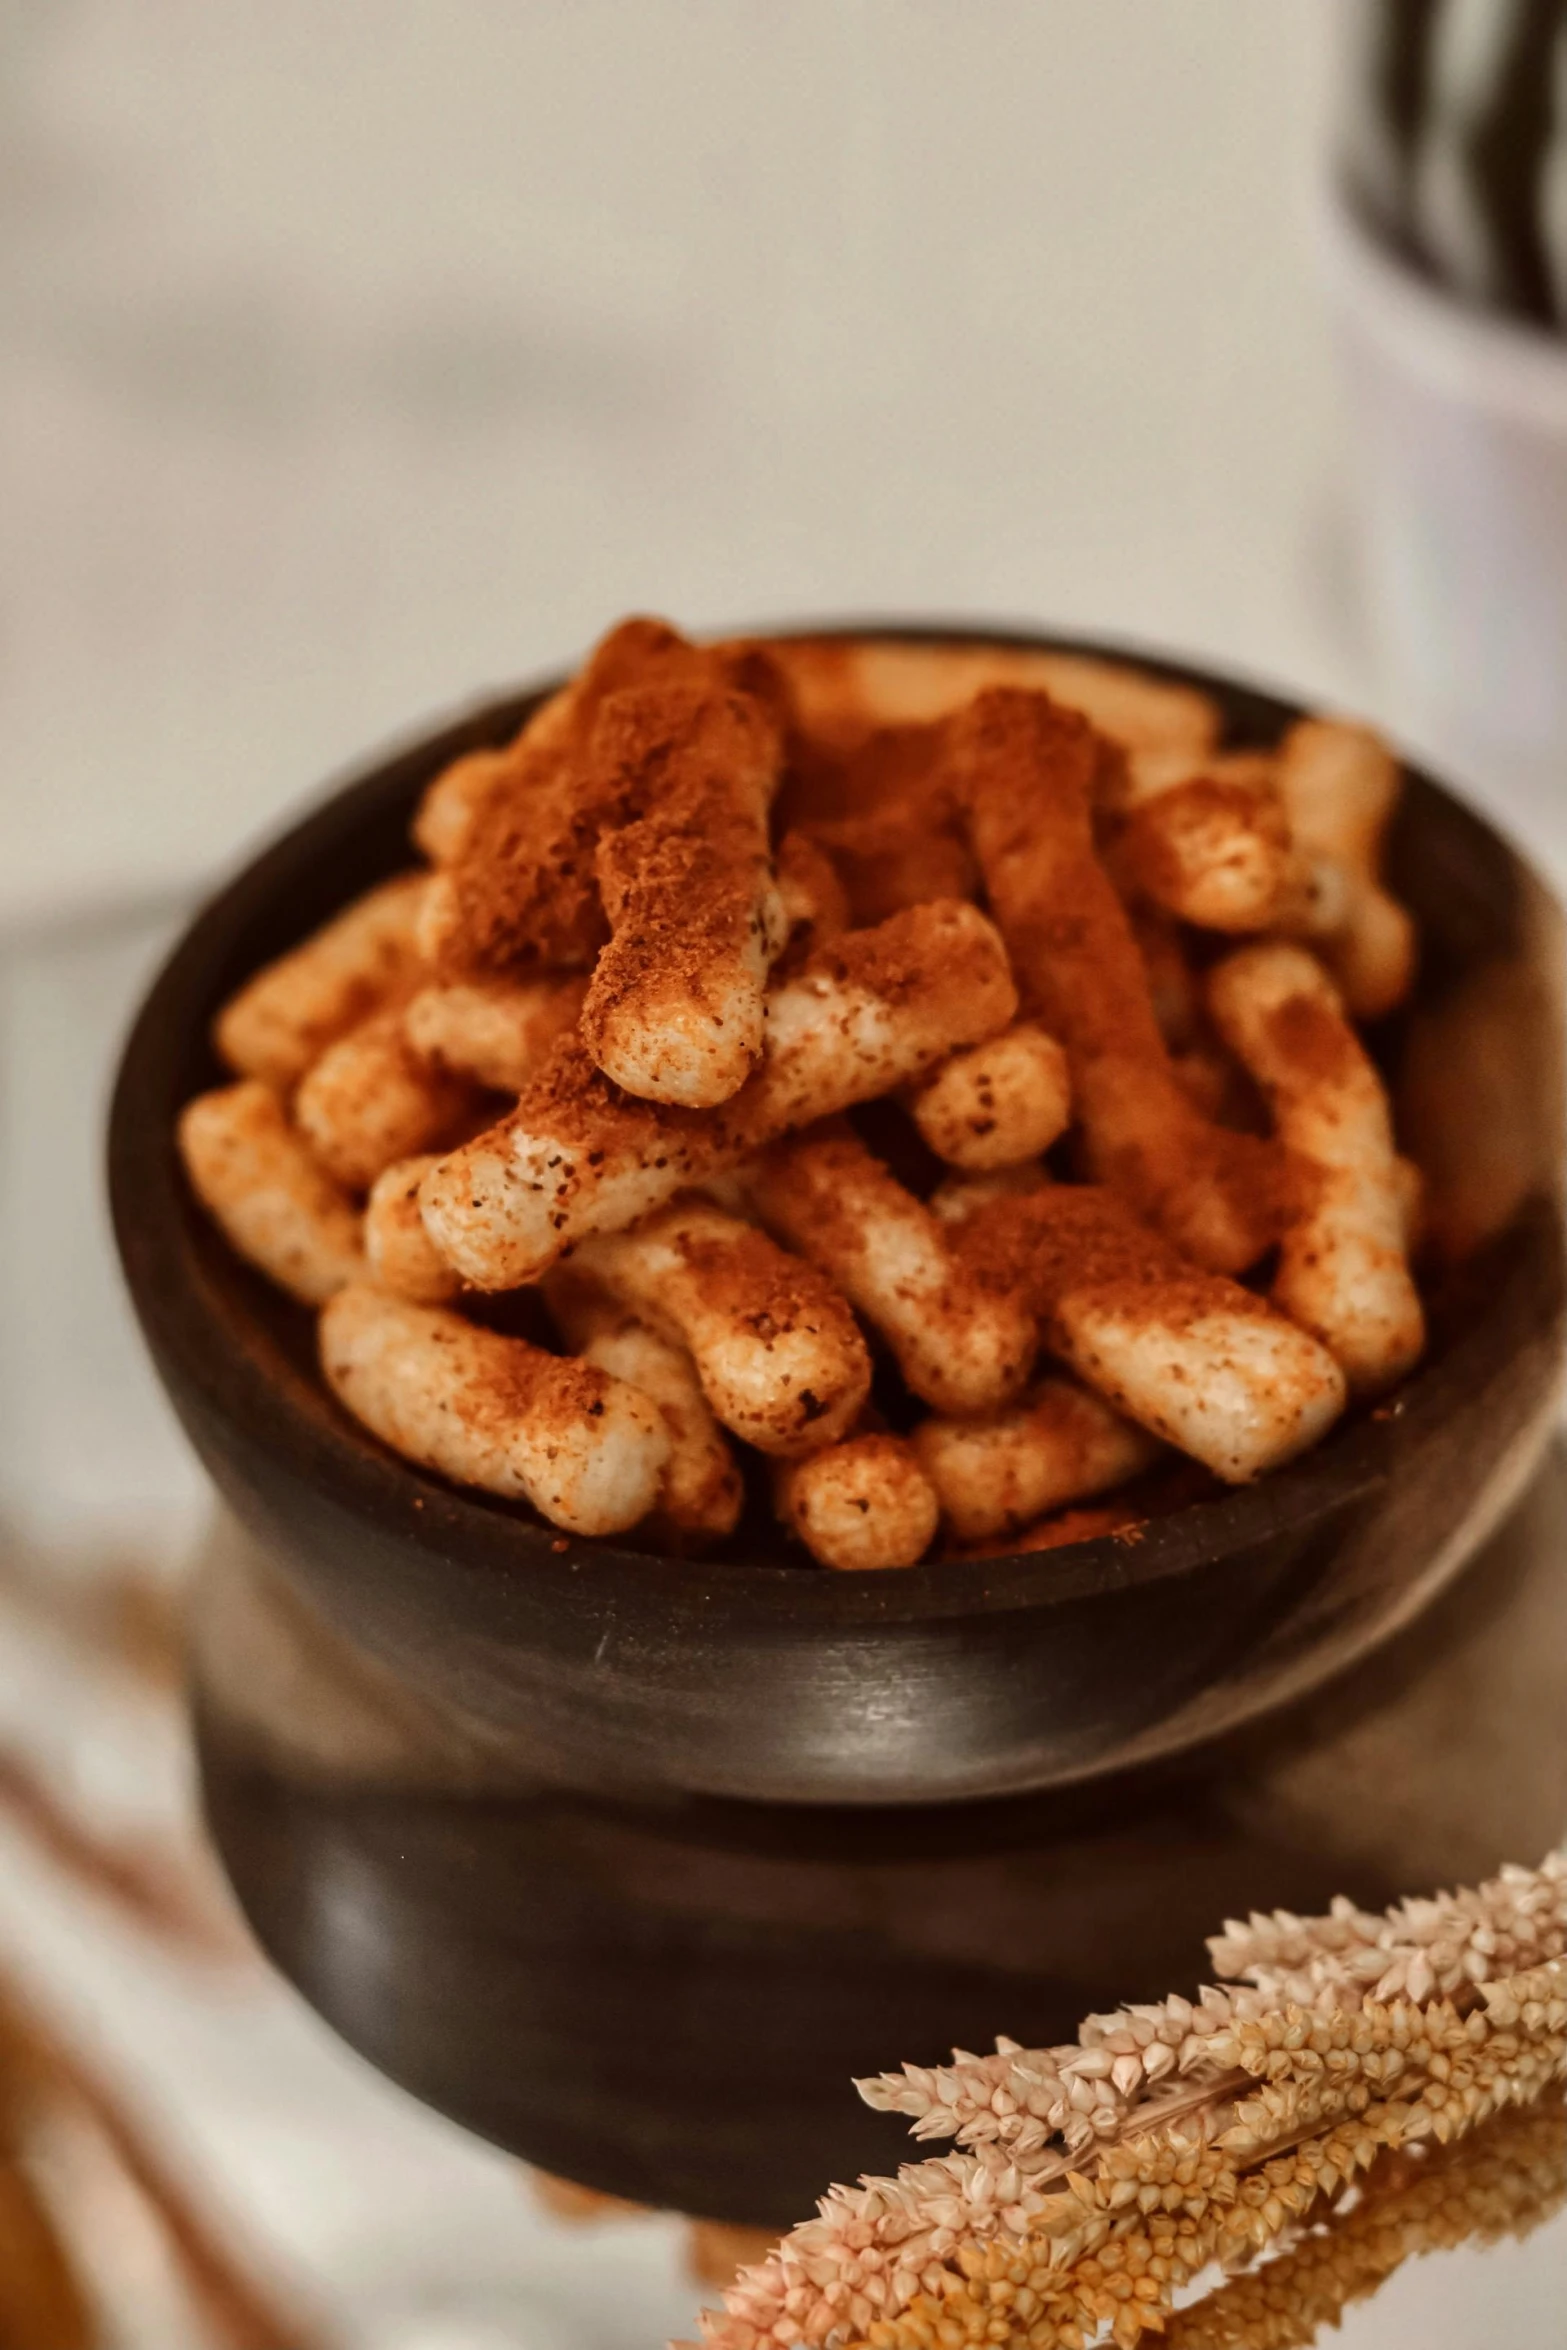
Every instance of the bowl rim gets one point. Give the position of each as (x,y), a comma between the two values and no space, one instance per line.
(159,1230)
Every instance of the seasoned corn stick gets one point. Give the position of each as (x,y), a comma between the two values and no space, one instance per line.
(255,1176)
(958,1197)
(586,1450)
(1174,990)
(1212,851)
(576,1156)
(1148,773)
(448,814)
(1058,1444)
(863,1503)
(894,830)
(891,859)
(1343,1269)
(450,809)
(873,1010)
(814,900)
(371,1100)
(522,894)
(286,1016)
(846,687)
(778,1352)
(1340,786)
(1134,708)
(674,1012)
(868,1012)
(959,1346)
(1194,1358)
(702,1493)
(996,1104)
(496,1031)
(1026,769)
(398,1251)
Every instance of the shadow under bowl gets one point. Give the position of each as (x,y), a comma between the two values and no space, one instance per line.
(592,1666)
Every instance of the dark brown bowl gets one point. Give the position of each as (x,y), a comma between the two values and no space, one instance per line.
(592,1666)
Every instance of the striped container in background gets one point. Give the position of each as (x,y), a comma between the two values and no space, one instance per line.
(1455,143)
(1445,245)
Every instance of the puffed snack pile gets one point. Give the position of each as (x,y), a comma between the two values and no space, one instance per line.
(1129,1190)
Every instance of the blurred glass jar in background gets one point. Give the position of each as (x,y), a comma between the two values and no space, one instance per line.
(1445,246)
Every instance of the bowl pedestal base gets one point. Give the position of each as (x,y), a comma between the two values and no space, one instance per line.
(667,2000)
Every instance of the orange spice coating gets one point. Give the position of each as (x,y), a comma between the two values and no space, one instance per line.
(863,1504)
(778,1352)
(895,832)
(1191,1356)
(1343,1268)
(585,1449)
(397,1248)
(370,1099)
(867,1012)
(495,1031)
(1057,1444)
(960,1345)
(674,1010)
(703,1493)
(1027,772)
(524,891)
(815,902)
(286,1015)
(1214,851)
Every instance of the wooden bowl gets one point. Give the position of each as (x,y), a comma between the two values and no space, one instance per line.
(759,1677)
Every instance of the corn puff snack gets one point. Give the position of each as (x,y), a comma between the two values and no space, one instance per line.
(1192,1357)
(736,1007)
(869,1011)
(277,1207)
(675,1010)
(1340,788)
(866,1502)
(283,1019)
(370,1100)
(496,1032)
(400,1257)
(1343,1260)
(589,1451)
(997,1104)
(1028,772)
(703,1492)
(778,1353)
(1058,1444)
(960,1346)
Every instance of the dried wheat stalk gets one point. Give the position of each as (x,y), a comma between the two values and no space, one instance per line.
(1093,2181)
(1505,2180)
(157,1886)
